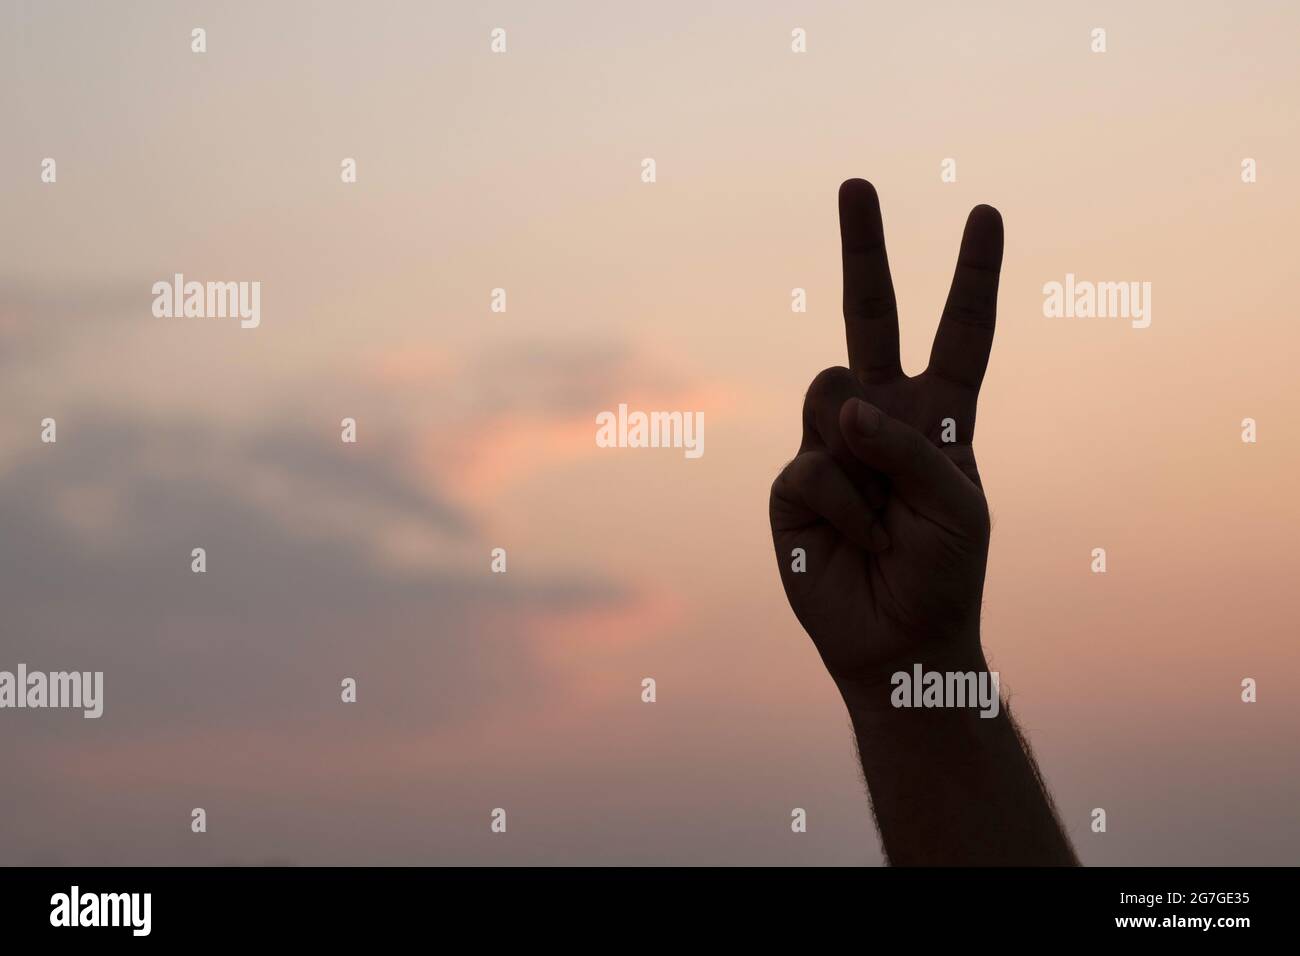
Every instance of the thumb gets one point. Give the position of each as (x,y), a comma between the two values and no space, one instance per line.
(922,474)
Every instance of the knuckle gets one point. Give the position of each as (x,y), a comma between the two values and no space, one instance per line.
(801,474)
(827,393)
(780,490)
(790,478)
(830,383)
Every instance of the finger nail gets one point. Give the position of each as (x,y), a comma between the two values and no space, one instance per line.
(868,418)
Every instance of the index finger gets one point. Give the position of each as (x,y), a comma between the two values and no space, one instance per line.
(870,312)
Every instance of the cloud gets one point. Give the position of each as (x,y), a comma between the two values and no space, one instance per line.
(95,544)
(325,561)
(38,317)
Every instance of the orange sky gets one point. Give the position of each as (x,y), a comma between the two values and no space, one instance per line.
(476,429)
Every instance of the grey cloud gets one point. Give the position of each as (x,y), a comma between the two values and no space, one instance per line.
(281,615)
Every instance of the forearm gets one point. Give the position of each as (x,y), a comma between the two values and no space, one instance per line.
(949,786)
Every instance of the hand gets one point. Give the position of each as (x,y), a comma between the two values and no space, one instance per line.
(886,503)
(884,497)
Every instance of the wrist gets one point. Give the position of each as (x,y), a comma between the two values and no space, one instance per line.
(941,676)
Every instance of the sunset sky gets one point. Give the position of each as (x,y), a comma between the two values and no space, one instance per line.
(476,429)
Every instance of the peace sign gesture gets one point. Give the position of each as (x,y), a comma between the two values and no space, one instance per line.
(884,498)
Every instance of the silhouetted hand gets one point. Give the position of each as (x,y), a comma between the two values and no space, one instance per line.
(886,503)
(890,515)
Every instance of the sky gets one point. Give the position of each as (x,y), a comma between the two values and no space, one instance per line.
(475,429)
